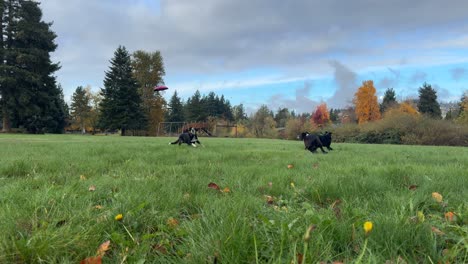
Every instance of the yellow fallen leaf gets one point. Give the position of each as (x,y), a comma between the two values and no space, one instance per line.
(99,207)
(421,216)
(92,188)
(437,196)
(82,177)
(226,190)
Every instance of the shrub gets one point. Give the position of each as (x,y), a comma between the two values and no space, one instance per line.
(403,128)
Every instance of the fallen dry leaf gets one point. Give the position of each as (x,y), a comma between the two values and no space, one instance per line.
(99,207)
(269,199)
(92,260)
(160,248)
(300,258)
(213,185)
(226,190)
(315,165)
(172,222)
(82,177)
(437,196)
(290,166)
(437,231)
(413,187)
(103,248)
(449,216)
(92,188)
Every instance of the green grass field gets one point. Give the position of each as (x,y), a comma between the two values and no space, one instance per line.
(48,214)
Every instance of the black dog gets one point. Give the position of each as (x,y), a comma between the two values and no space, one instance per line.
(188,137)
(312,142)
(326,140)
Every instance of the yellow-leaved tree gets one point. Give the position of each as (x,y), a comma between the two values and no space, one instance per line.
(366,105)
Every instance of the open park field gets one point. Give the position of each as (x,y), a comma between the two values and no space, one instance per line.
(62,197)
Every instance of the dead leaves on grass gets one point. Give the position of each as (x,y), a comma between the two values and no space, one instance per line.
(216,187)
(101,251)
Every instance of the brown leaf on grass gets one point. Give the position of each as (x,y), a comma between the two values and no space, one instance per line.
(290,166)
(160,248)
(99,207)
(300,258)
(92,260)
(449,216)
(437,231)
(82,177)
(213,185)
(337,212)
(315,165)
(172,222)
(226,190)
(269,199)
(103,248)
(92,188)
(413,187)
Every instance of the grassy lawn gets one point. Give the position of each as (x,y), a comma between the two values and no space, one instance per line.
(51,214)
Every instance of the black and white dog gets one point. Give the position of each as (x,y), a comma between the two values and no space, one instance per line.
(312,142)
(188,137)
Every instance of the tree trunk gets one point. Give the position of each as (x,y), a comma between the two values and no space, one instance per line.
(6,118)
(122,133)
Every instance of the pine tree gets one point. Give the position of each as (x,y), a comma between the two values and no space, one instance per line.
(176,109)
(428,104)
(80,108)
(121,104)
(9,17)
(388,101)
(194,110)
(30,95)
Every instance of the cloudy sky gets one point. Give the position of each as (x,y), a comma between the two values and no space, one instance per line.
(280,53)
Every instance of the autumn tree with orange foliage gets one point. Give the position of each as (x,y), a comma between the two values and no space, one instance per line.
(321,116)
(403,108)
(365,100)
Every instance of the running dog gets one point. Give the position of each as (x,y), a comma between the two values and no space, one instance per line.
(188,137)
(312,142)
(326,139)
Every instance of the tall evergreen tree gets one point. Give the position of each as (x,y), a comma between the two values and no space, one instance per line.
(80,108)
(388,101)
(194,110)
(121,103)
(9,18)
(176,109)
(282,116)
(428,104)
(148,70)
(30,95)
